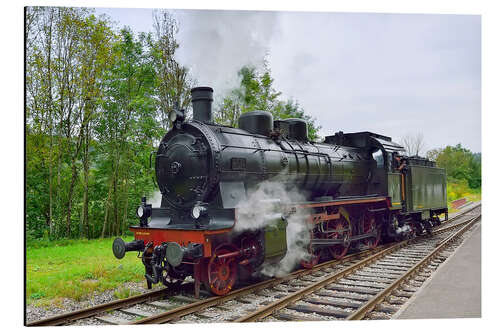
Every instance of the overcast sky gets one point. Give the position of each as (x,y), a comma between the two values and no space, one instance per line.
(393,74)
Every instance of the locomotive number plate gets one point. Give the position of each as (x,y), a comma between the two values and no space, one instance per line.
(238,164)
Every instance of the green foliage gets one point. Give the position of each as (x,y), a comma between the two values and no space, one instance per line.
(256,92)
(461,165)
(95,110)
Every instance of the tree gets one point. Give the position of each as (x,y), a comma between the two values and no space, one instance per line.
(96,102)
(128,104)
(433,154)
(256,92)
(172,80)
(460,164)
(413,143)
(62,52)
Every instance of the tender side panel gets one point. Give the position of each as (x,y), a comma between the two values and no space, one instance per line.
(428,188)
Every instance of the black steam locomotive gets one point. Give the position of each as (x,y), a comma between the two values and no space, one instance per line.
(216,224)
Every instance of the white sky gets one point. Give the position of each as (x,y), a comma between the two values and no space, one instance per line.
(393,74)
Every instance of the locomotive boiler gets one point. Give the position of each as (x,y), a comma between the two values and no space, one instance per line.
(351,190)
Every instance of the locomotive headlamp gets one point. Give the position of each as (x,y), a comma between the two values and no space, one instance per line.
(177,115)
(144,212)
(173,116)
(140,211)
(196,211)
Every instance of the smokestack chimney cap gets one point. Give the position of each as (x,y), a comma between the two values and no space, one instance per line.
(201,93)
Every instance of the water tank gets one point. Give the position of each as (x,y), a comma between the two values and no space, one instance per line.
(256,122)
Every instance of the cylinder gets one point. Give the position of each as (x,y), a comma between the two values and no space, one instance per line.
(202,98)
(256,122)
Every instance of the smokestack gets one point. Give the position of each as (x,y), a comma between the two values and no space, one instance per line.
(202,98)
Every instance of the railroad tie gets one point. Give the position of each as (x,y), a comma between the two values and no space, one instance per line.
(356,297)
(136,312)
(293,317)
(378,316)
(112,320)
(386,308)
(184,299)
(369,279)
(319,310)
(339,303)
(401,293)
(348,282)
(359,290)
(162,305)
(390,268)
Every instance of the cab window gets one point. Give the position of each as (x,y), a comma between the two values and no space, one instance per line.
(378,156)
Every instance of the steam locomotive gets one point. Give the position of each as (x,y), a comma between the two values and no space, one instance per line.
(217,225)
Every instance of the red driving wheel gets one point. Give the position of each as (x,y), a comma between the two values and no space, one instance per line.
(222,272)
(369,225)
(341,229)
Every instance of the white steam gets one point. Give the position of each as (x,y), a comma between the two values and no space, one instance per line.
(215,44)
(263,207)
(155,201)
(404,229)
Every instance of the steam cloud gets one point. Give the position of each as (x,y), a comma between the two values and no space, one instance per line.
(155,201)
(216,44)
(260,209)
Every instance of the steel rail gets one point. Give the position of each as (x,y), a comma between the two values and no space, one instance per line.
(285,301)
(370,305)
(216,300)
(88,312)
(461,214)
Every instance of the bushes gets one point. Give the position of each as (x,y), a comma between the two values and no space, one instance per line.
(463,170)
(458,188)
(460,164)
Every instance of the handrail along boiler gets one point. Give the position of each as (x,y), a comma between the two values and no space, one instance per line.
(356,189)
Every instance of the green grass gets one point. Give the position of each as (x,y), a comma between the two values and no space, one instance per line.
(77,268)
(122,293)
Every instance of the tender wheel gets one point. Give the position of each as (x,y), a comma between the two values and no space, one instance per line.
(341,229)
(222,272)
(418,229)
(436,221)
(428,227)
(369,225)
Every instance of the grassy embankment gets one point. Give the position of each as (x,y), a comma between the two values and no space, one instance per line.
(460,190)
(77,268)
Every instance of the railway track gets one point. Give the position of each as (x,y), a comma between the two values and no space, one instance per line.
(364,289)
(336,289)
